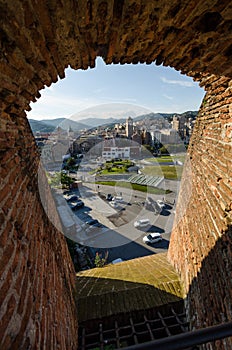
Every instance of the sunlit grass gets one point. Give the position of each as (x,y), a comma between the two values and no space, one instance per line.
(170,172)
(136,187)
(164,159)
(113,171)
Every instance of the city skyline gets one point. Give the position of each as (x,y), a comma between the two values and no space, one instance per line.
(110,90)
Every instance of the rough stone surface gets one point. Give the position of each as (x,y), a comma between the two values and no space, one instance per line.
(201,241)
(37,307)
(38,40)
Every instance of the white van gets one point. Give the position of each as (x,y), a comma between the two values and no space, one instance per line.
(142,223)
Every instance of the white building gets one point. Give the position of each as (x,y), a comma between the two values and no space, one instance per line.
(155,136)
(116,152)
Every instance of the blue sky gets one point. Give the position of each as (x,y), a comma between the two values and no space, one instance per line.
(149,87)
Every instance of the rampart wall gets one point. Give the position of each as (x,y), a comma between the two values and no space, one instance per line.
(38,40)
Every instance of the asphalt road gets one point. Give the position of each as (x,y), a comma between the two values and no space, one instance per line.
(123,240)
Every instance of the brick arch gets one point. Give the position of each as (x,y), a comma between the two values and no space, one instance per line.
(39,39)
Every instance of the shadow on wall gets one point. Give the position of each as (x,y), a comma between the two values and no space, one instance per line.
(210,292)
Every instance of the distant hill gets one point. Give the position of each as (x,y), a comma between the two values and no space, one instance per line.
(151,116)
(53,122)
(94,122)
(65,123)
(39,126)
(49,125)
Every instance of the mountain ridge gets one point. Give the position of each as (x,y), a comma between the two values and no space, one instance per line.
(49,125)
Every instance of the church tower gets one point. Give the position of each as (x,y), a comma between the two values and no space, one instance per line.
(129,127)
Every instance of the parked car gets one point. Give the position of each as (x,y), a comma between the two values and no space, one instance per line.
(114,204)
(71,198)
(142,223)
(109,197)
(93,225)
(116,261)
(152,238)
(93,222)
(67,192)
(117,199)
(76,205)
(160,203)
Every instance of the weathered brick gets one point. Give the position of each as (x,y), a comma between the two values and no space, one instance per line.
(199,259)
(36,47)
(4,340)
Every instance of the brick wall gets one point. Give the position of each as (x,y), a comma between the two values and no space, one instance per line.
(37,277)
(201,242)
(38,40)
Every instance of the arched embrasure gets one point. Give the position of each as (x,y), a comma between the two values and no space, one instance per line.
(38,40)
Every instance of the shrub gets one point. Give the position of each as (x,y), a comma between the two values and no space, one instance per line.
(99,260)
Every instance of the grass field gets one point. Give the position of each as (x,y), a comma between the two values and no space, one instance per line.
(164,159)
(115,167)
(135,187)
(113,171)
(170,172)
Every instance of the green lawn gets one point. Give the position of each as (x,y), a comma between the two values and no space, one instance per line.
(114,167)
(170,172)
(113,171)
(164,159)
(135,187)
(160,159)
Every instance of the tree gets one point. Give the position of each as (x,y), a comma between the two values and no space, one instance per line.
(108,167)
(99,260)
(55,179)
(66,180)
(71,162)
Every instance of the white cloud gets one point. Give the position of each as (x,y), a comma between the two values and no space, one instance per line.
(115,110)
(178,82)
(118,100)
(168,97)
(65,99)
(51,105)
(99,91)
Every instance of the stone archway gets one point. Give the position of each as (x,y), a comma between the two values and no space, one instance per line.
(38,41)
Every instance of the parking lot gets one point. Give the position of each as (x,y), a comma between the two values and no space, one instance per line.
(114,231)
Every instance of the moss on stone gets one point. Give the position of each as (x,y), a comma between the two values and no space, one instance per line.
(128,286)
